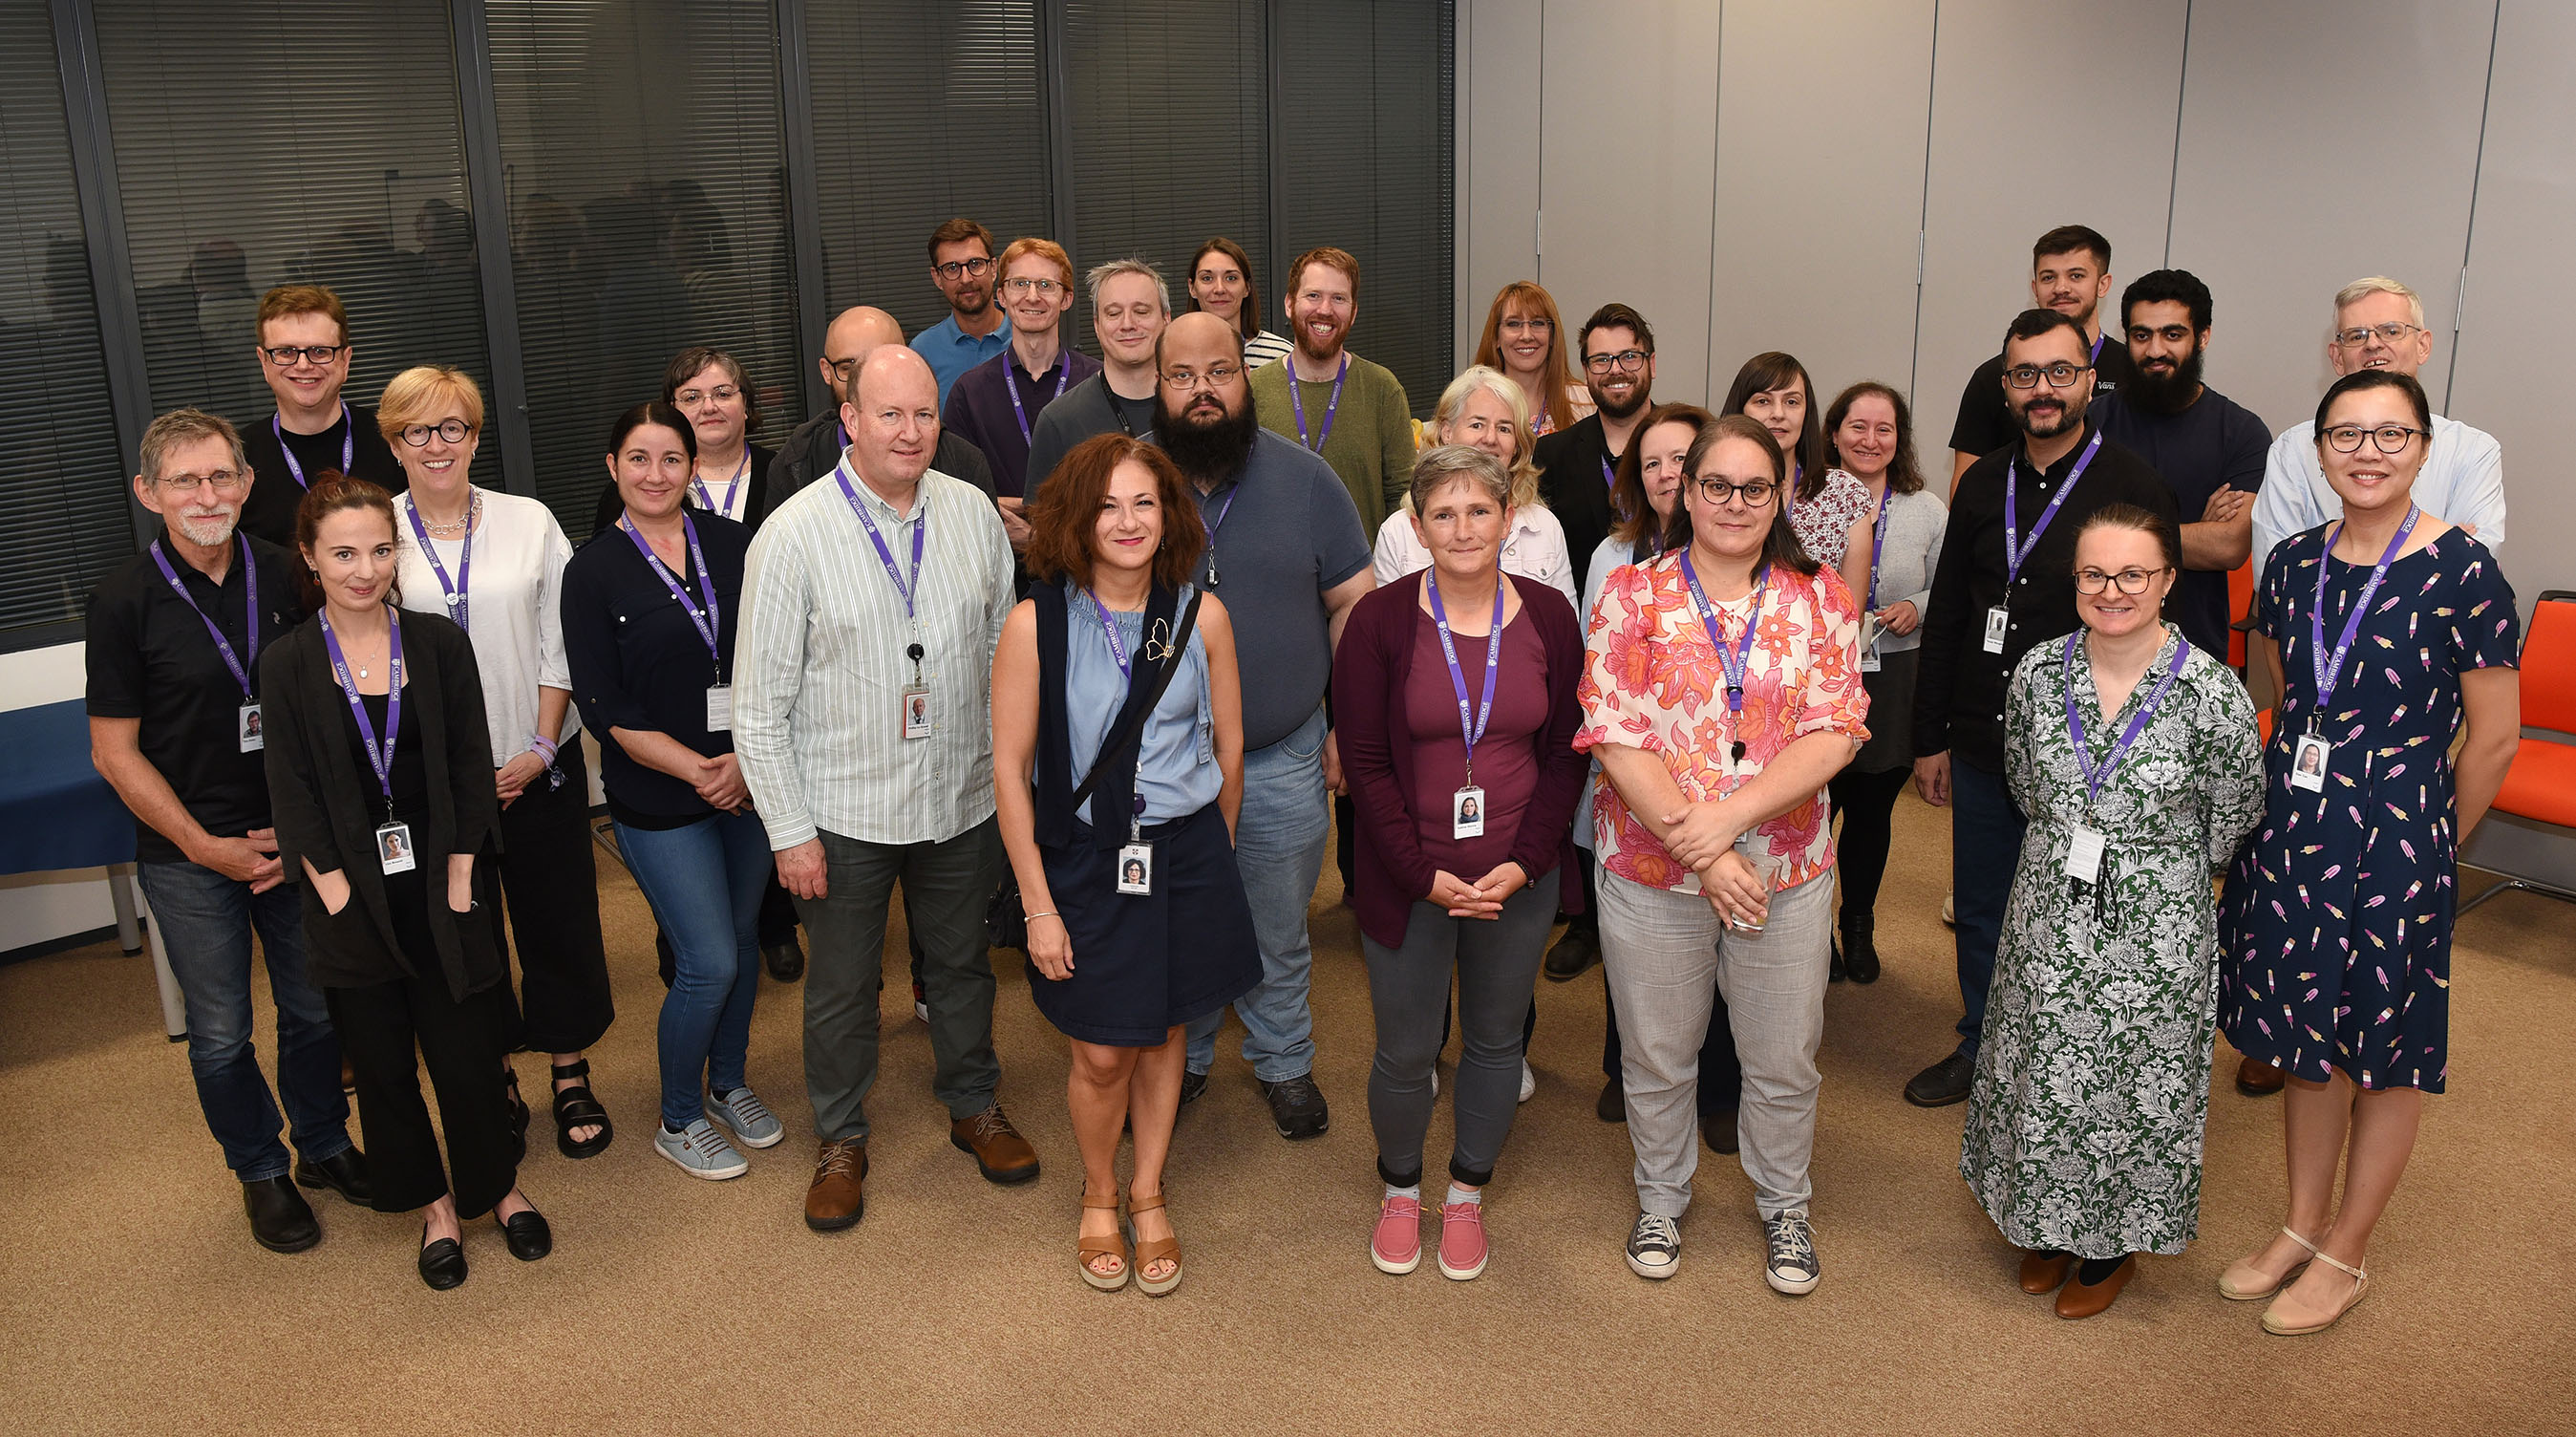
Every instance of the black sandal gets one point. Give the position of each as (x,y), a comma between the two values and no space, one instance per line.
(513,1104)
(575,1107)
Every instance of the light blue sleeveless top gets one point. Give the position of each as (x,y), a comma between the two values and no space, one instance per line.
(1176,768)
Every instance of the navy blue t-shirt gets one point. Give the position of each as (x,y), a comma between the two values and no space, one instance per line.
(2215,444)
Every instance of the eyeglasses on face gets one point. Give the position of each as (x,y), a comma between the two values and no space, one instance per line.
(452,430)
(2059,375)
(226,481)
(2387,438)
(955,267)
(2389,334)
(1630,360)
(285,356)
(1525,324)
(2131,581)
(1217,377)
(1757,493)
(721,394)
(1027,284)
(842,368)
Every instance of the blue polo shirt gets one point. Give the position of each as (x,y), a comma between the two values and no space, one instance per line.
(952,351)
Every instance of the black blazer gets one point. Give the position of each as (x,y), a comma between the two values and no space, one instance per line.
(325,810)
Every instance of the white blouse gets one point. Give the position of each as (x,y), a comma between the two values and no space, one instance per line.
(513,608)
(1535,549)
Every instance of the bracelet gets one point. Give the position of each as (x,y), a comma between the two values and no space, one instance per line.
(546,748)
(1050,913)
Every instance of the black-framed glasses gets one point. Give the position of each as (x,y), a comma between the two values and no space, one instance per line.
(1630,360)
(842,369)
(451,430)
(1757,493)
(2389,334)
(2131,581)
(955,267)
(285,356)
(1218,376)
(2387,438)
(2059,375)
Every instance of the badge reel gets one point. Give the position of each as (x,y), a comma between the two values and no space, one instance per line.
(2308,763)
(394,848)
(1136,857)
(246,723)
(916,699)
(1998,624)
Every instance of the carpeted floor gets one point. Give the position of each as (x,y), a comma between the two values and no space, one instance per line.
(131,1298)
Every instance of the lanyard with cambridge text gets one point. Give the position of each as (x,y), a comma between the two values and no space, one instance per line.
(1297,399)
(2017,549)
(348,446)
(914,715)
(246,727)
(2309,770)
(393,837)
(1467,805)
(1735,657)
(455,592)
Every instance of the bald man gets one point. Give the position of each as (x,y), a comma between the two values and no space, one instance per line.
(815,445)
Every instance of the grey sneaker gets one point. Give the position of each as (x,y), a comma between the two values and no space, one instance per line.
(749,1117)
(1654,1246)
(700,1151)
(1791,1267)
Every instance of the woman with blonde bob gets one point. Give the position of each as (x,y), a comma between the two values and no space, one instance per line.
(1525,339)
(1483,409)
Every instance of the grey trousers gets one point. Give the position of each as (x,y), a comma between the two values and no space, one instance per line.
(946,889)
(1664,953)
(1496,961)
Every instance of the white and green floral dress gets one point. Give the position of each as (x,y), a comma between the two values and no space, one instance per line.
(2084,1123)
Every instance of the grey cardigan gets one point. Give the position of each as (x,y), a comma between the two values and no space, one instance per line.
(1915,524)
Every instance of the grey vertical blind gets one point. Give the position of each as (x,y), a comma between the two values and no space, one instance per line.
(643,159)
(259,143)
(62,491)
(921,113)
(1368,153)
(1170,135)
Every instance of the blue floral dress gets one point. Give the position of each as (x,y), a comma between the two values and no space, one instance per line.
(2336,923)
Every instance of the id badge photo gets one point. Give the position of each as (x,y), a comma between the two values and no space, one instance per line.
(1467,813)
(246,722)
(394,848)
(916,712)
(1998,624)
(1136,869)
(2308,763)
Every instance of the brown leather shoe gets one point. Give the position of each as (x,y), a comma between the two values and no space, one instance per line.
(2259,1080)
(2076,1300)
(2044,1272)
(834,1201)
(999,1150)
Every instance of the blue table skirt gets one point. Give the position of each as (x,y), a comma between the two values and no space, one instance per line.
(55,811)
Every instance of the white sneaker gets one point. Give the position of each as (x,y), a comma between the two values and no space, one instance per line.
(1529,1082)
(1435,1081)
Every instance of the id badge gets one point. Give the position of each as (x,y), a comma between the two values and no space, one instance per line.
(2308,763)
(1467,813)
(1869,658)
(916,712)
(246,722)
(1136,869)
(2084,855)
(394,850)
(719,708)
(1998,624)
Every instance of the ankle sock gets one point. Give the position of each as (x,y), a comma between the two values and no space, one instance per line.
(720,1094)
(675,1132)
(1459,1194)
(2094,1271)
(1414,1192)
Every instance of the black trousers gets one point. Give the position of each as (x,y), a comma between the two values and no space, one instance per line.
(549,881)
(380,1027)
(1867,802)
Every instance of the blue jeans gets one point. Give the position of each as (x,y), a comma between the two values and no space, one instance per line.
(705,882)
(1279,849)
(1985,847)
(206,922)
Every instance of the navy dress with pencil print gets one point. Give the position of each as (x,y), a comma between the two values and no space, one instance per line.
(2336,926)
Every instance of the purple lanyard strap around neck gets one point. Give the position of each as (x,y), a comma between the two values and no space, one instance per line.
(2329,670)
(242,668)
(2095,775)
(1734,658)
(348,445)
(1297,399)
(1473,729)
(379,757)
(455,592)
(2016,548)
(708,620)
(733,486)
(1011,382)
(909,592)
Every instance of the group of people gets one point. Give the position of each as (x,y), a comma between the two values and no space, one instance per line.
(1103,650)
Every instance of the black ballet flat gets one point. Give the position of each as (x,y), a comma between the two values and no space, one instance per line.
(528,1235)
(442,1263)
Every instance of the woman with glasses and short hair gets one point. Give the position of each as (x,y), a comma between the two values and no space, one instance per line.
(493,562)
(1525,339)
(1222,284)
(2396,631)
(2134,755)
(710,388)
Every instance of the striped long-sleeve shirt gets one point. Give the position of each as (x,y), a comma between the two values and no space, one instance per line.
(820,676)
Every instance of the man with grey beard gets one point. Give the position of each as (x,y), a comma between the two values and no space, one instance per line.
(174,709)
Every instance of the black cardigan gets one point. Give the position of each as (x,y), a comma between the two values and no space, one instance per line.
(325,811)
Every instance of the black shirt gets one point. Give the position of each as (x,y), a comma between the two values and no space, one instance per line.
(268,511)
(639,663)
(1570,481)
(150,658)
(1959,687)
(2215,444)
(756,501)
(1986,425)
(410,772)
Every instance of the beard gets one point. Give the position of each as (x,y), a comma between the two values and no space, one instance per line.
(2053,423)
(1209,450)
(2167,394)
(206,530)
(1306,342)
(972,299)
(1638,398)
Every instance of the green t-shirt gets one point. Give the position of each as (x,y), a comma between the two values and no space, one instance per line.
(1371,442)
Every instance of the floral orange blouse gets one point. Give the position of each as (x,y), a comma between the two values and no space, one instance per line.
(1652,680)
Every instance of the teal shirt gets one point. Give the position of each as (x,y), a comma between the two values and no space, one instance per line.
(952,351)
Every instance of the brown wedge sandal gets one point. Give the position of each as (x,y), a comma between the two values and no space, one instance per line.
(1114,1245)
(1161,1249)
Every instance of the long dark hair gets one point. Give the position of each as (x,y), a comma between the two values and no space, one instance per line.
(1634,516)
(332,492)
(1904,474)
(1247,316)
(1780,547)
(1773,369)
(653,411)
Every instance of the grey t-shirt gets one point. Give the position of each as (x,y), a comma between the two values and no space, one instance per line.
(1087,410)
(1282,533)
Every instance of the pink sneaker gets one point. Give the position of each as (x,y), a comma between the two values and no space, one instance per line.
(1396,1246)
(1462,1241)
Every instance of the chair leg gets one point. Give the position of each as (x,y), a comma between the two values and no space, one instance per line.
(2543,889)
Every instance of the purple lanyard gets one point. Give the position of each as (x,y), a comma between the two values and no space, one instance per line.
(1219,521)
(1297,397)
(706,497)
(250,612)
(905,591)
(348,445)
(464,556)
(1117,645)
(379,759)
(2330,672)
(1733,658)
(1609,480)
(2095,775)
(1458,676)
(2096,356)
(709,620)
(2016,548)
(1877,542)
(1011,381)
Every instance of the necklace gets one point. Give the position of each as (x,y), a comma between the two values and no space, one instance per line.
(455,528)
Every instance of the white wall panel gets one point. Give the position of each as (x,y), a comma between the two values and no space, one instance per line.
(2316,152)
(2042,115)
(1820,150)
(2509,380)
(1626,159)
(1498,148)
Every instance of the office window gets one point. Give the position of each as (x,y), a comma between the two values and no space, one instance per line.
(643,158)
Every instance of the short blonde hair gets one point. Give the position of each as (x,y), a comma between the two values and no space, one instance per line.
(1445,464)
(426,394)
(2363,288)
(1485,377)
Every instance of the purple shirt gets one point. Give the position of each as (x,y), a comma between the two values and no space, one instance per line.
(979,410)
(1506,757)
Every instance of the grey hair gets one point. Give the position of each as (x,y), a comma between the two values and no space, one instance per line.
(1503,387)
(187,426)
(1103,273)
(2363,288)
(1444,464)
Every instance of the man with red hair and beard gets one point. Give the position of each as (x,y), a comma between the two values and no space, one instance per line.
(1337,404)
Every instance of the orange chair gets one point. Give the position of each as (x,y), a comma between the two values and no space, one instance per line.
(2530,835)
(2240,602)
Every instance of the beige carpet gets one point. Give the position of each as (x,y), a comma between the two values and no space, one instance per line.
(132,1300)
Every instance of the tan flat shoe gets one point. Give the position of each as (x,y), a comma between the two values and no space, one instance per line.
(2044,1272)
(2244,1282)
(1085,1249)
(2283,1327)
(2076,1301)
(1153,1250)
